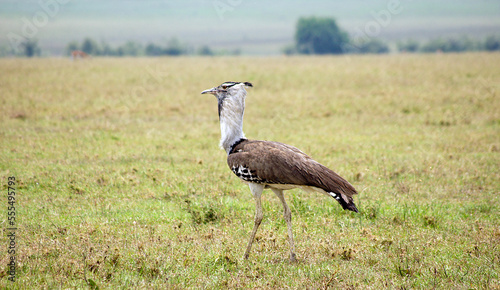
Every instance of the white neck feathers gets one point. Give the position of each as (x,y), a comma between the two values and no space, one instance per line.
(231,119)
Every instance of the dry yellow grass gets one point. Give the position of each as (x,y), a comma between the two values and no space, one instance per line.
(121,183)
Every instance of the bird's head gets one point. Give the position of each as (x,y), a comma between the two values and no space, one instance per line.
(230,96)
(231,99)
(228,89)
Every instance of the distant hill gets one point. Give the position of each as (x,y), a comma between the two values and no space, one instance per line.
(254,26)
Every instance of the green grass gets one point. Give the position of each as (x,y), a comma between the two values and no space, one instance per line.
(121,183)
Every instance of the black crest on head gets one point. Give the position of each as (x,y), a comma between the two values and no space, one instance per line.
(226,85)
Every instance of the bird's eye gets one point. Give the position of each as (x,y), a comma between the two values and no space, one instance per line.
(224,87)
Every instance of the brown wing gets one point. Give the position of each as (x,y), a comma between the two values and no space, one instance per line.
(278,163)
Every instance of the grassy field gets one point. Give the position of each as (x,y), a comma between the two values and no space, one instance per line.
(121,184)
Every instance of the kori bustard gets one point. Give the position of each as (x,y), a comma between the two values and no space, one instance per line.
(266,164)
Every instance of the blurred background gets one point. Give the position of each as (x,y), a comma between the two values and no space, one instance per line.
(237,27)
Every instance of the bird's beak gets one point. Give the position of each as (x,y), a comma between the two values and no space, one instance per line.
(212,91)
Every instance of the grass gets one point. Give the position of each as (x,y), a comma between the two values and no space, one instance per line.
(121,183)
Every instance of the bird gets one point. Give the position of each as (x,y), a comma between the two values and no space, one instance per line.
(273,165)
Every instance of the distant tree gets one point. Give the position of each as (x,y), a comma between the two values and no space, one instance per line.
(205,50)
(72,46)
(373,45)
(492,43)
(434,45)
(459,44)
(449,45)
(106,49)
(30,47)
(317,35)
(131,48)
(174,47)
(91,47)
(153,49)
(408,46)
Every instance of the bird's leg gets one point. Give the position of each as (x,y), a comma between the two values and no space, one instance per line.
(287,213)
(257,193)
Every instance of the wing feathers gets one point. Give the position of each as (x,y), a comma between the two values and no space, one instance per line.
(278,163)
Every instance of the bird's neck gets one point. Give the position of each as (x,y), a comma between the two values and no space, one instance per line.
(231,121)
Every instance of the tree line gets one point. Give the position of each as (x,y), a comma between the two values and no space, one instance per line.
(322,35)
(313,41)
(172,47)
(456,44)
(313,35)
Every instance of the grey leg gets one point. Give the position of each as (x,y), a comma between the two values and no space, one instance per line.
(288,218)
(257,193)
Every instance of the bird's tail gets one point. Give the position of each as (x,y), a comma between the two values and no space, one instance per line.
(348,203)
(345,201)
